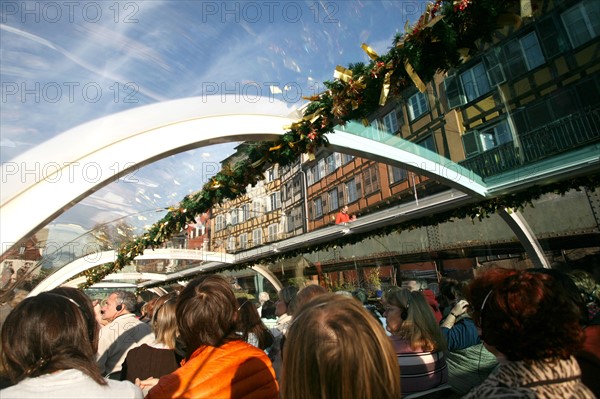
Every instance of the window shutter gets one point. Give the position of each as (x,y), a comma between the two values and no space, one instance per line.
(470,143)
(454,92)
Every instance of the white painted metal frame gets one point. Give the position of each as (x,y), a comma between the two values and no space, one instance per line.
(137,137)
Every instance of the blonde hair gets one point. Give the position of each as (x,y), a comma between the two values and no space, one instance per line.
(419,324)
(164,322)
(336,349)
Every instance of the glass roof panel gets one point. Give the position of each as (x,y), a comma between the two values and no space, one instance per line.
(65,64)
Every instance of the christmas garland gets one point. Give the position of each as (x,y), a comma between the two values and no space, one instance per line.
(441,39)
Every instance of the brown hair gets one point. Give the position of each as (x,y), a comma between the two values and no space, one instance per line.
(85,304)
(419,324)
(306,294)
(206,312)
(164,321)
(336,349)
(249,321)
(512,309)
(44,334)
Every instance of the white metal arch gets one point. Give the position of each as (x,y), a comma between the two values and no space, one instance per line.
(59,170)
(211,259)
(135,138)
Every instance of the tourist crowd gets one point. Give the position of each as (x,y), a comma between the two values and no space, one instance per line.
(505,334)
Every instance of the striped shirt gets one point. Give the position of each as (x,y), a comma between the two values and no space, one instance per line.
(419,371)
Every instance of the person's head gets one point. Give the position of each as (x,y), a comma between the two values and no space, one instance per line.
(206,312)
(306,294)
(118,303)
(85,304)
(248,321)
(268,310)
(345,209)
(247,314)
(409,316)
(361,295)
(47,333)
(415,285)
(336,349)
(286,296)
(164,323)
(524,315)
(263,297)
(569,288)
(451,289)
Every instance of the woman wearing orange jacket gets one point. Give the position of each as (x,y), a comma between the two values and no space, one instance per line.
(218,363)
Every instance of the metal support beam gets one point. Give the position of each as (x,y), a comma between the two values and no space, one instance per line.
(519,226)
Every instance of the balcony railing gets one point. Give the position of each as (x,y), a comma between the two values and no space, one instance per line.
(562,135)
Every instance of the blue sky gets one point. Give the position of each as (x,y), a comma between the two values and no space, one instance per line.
(66,63)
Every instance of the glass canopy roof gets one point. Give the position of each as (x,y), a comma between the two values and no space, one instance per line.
(64,66)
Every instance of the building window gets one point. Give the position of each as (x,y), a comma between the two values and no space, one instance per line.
(294,219)
(219,222)
(245,213)
(321,167)
(317,208)
(333,199)
(454,92)
(582,22)
(296,185)
(271,175)
(371,180)
(417,105)
(397,174)
(314,175)
(522,55)
(552,38)
(390,121)
(273,232)
(487,138)
(244,241)
(257,237)
(346,158)
(257,208)
(428,143)
(330,165)
(274,202)
(353,190)
(475,82)
(234,217)
(231,244)
(288,192)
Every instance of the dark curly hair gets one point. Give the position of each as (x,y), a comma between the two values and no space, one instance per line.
(524,314)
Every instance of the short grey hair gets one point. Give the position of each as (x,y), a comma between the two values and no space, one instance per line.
(127,299)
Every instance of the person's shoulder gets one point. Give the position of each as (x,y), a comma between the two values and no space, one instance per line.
(124,389)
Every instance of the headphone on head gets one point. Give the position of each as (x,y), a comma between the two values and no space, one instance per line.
(119,307)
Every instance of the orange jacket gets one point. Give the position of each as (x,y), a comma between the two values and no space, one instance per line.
(234,370)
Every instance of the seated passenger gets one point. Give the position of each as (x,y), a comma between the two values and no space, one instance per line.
(49,343)
(421,286)
(336,349)
(157,358)
(417,340)
(250,327)
(218,363)
(469,363)
(530,323)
